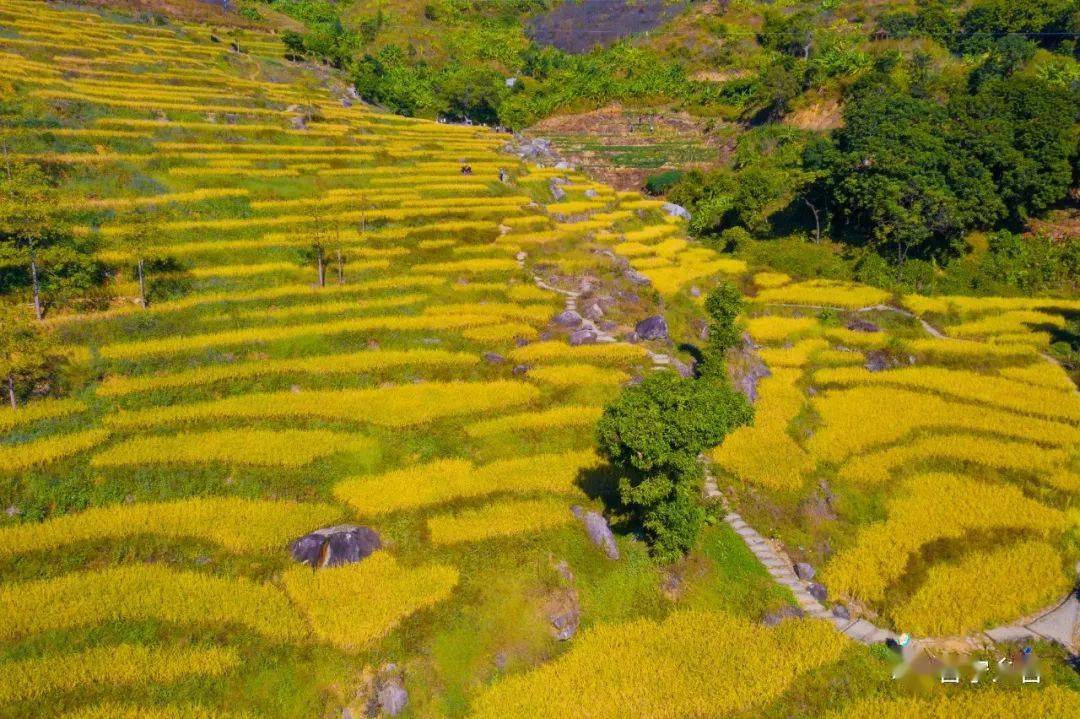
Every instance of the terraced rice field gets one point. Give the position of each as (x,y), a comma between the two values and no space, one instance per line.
(915,460)
(423,392)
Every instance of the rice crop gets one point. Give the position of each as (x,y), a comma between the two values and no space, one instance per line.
(38,410)
(577,375)
(239,525)
(855,420)
(393,406)
(16,457)
(227,338)
(502,519)
(140,593)
(113,710)
(504,332)
(667,669)
(668,280)
(798,355)
(1015,322)
(356,604)
(253,448)
(989,703)
(121,665)
(615,353)
(825,293)
(983,589)
(775,330)
(764,453)
(928,508)
(876,467)
(556,418)
(962,385)
(963,306)
(357,362)
(450,479)
(769,280)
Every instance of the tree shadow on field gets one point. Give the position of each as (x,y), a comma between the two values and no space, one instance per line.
(695,352)
(602,483)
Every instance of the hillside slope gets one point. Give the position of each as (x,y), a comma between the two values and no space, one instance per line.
(426,391)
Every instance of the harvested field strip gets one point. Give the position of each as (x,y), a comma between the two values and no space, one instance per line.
(119,665)
(260,335)
(875,468)
(394,406)
(17,457)
(667,669)
(499,520)
(984,589)
(554,419)
(357,604)
(859,419)
(764,453)
(932,507)
(963,385)
(239,525)
(334,364)
(38,410)
(451,479)
(143,592)
(237,447)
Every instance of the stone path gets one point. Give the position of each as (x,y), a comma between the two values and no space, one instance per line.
(1059,624)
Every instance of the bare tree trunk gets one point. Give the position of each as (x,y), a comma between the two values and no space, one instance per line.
(142,282)
(340,268)
(35,284)
(322,267)
(817,220)
(11,391)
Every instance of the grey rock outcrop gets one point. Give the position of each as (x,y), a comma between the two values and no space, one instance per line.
(676,210)
(599,530)
(652,328)
(335,546)
(583,336)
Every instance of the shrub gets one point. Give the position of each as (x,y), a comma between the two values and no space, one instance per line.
(661,182)
(653,433)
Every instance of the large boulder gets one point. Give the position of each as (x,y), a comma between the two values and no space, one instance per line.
(858,324)
(676,210)
(334,546)
(804,571)
(818,591)
(652,328)
(567,318)
(598,530)
(583,336)
(558,193)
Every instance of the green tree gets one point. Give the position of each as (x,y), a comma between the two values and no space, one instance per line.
(27,352)
(38,254)
(653,434)
(723,305)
